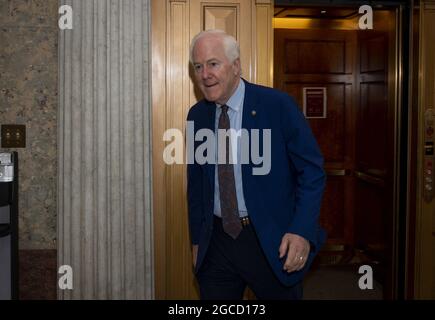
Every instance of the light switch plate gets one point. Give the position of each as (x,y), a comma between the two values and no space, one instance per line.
(13,135)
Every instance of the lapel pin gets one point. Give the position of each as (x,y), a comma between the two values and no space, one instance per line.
(253,113)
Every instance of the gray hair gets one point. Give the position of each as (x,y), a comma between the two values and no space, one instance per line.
(231,47)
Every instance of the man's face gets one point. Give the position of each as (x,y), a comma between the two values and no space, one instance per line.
(215,75)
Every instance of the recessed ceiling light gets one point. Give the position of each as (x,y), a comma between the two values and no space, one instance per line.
(323,11)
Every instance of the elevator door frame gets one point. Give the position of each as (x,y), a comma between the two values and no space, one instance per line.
(401,243)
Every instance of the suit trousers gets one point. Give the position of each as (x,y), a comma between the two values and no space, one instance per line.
(231,265)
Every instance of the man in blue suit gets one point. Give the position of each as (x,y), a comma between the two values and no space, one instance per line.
(247,229)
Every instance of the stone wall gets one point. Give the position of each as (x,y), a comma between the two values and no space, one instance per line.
(28,95)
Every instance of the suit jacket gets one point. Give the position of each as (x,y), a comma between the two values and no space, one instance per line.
(287,199)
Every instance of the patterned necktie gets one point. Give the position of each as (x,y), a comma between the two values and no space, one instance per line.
(227,187)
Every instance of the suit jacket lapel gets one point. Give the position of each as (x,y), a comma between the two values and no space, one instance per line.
(249,121)
(249,108)
(210,118)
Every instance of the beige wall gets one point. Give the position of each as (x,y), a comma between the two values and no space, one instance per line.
(28,95)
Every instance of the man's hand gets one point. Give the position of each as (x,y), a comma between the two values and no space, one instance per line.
(297,249)
(194,254)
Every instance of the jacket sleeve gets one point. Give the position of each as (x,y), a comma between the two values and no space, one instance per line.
(305,155)
(194,195)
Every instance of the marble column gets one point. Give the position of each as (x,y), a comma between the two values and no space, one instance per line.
(104,134)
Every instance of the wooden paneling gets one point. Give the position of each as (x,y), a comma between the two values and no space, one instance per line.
(263,55)
(334,221)
(224,18)
(373,57)
(358,137)
(240,9)
(375,153)
(374,138)
(174,24)
(374,148)
(370,225)
(303,56)
(372,127)
(325,58)
(373,229)
(330,134)
(158,91)
(179,277)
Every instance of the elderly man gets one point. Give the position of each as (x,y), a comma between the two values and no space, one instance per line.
(251,230)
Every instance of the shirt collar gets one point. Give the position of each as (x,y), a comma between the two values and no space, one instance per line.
(235,101)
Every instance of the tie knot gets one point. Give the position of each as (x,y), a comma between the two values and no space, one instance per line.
(224,108)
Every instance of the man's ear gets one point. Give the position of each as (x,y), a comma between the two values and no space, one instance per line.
(237,68)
